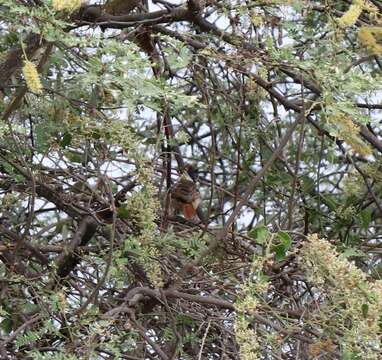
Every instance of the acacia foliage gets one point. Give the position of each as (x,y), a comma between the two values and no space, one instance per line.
(277,103)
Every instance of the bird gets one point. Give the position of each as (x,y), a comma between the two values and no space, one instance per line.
(185,196)
(121,7)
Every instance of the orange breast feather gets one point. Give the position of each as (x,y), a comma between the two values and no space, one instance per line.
(188,211)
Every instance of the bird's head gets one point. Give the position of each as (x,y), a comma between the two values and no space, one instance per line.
(190,171)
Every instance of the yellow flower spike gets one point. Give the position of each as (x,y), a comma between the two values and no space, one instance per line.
(32,77)
(347,130)
(366,37)
(352,15)
(66,5)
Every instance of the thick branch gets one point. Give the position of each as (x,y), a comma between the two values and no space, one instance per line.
(68,260)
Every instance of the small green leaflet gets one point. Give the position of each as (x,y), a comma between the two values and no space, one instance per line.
(350,252)
(122,212)
(365,310)
(283,246)
(259,234)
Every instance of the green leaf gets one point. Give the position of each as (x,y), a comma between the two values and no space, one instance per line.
(281,249)
(43,136)
(75,157)
(351,252)
(131,244)
(285,238)
(66,140)
(185,319)
(122,261)
(6,325)
(122,212)
(365,218)
(332,157)
(365,310)
(329,202)
(259,234)
(351,200)
(349,355)
(307,185)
